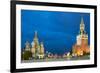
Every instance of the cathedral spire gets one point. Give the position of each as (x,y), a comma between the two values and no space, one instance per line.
(36,38)
(35,34)
(82,21)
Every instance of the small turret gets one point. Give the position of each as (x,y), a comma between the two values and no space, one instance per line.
(27,46)
(41,48)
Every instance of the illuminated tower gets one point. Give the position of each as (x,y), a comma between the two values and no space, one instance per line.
(27,46)
(41,51)
(82,27)
(41,48)
(35,46)
(81,47)
(82,38)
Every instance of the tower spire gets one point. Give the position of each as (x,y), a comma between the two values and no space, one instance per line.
(82,26)
(35,37)
(35,34)
(82,21)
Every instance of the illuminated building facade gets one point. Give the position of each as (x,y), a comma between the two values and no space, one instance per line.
(81,47)
(27,46)
(37,49)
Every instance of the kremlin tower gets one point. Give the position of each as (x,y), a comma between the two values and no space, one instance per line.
(81,47)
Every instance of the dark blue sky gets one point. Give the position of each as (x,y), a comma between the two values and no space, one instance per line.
(58,30)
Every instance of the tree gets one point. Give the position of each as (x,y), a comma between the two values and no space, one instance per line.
(26,55)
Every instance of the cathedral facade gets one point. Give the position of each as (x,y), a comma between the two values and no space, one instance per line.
(36,49)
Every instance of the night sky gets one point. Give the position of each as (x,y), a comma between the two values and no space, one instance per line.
(57,30)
